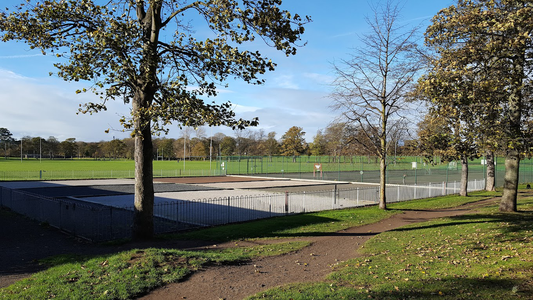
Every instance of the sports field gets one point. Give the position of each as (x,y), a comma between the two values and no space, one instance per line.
(58,169)
(400,170)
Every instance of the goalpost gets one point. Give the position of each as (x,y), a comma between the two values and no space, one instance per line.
(318,168)
(452,165)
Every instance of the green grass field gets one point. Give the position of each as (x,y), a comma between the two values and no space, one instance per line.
(96,165)
(287,164)
(34,169)
(299,167)
(306,164)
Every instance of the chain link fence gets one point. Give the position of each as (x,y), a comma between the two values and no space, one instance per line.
(400,169)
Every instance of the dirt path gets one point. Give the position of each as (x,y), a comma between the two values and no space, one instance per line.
(310,264)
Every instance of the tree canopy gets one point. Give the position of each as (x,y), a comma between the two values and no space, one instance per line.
(293,142)
(5,137)
(118,47)
(482,69)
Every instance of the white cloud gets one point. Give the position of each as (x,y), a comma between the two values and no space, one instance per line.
(7,74)
(279,109)
(20,56)
(321,79)
(238,108)
(285,81)
(48,108)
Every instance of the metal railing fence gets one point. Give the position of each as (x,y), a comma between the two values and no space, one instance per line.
(98,222)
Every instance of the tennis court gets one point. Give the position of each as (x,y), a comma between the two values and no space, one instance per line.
(119,192)
(103,209)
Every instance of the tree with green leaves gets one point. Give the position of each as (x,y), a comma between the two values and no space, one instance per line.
(68,147)
(448,134)
(293,142)
(371,88)
(228,146)
(52,146)
(6,138)
(336,141)
(165,148)
(147,53)
(318,146)
(114,149)
(270,145)
(489,43)
(199,148)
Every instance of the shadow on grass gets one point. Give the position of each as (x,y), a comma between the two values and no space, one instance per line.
(457,288)
(444,288)
(511,222)
(267,228)
(435,204)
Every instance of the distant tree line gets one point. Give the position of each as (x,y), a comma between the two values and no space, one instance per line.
(336,139)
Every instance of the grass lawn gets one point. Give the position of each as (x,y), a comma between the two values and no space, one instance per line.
(33,169)
(306,164)
(12,165)
(480,256)
(126,274)
(476,255)
(343,168)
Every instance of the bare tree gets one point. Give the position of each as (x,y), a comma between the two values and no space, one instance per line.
(371,87)
(186,133)
(200,132)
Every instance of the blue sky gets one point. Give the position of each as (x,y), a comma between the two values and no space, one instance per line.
(296,94)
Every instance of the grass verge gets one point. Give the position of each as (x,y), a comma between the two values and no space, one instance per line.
(127,274)
(479,256)
(443,202)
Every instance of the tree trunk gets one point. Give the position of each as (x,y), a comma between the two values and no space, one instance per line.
(464,176)
(510,184)
(514,143)
(382,183)
(146,84)
(143,223)
(490,184)
(143,220)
